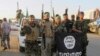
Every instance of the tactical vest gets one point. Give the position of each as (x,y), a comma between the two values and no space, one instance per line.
(47,28)
(34,34)
(81,26)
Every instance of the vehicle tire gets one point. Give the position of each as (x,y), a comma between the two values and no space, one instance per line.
(92,30)
(99,30)
(22,49)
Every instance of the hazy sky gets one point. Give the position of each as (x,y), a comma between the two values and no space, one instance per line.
(8,7)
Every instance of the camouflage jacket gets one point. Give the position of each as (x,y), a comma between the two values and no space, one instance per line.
(60,27)
(81,26)
(46,28)
(34,34)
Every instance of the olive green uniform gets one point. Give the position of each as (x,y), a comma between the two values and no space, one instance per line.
(60,27)
(82,26)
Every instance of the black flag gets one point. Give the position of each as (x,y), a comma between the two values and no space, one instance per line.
(69,43)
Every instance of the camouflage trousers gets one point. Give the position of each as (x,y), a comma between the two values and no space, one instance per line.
(84,52)
(46,51)
(85,48)
(32,48)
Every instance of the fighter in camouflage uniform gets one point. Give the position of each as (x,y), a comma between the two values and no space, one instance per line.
(81,25)
(1,33)
(66,23)
(47,34)
(57,26)
(32,33)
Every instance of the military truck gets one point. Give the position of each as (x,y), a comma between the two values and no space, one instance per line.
(94,25)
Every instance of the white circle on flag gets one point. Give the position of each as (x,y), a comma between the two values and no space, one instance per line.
(69,42)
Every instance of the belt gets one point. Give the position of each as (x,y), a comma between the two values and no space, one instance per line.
(30,41)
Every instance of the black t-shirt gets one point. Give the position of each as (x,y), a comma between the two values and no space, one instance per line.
(68,24)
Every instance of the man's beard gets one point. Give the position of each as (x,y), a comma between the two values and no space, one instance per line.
(32,24)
